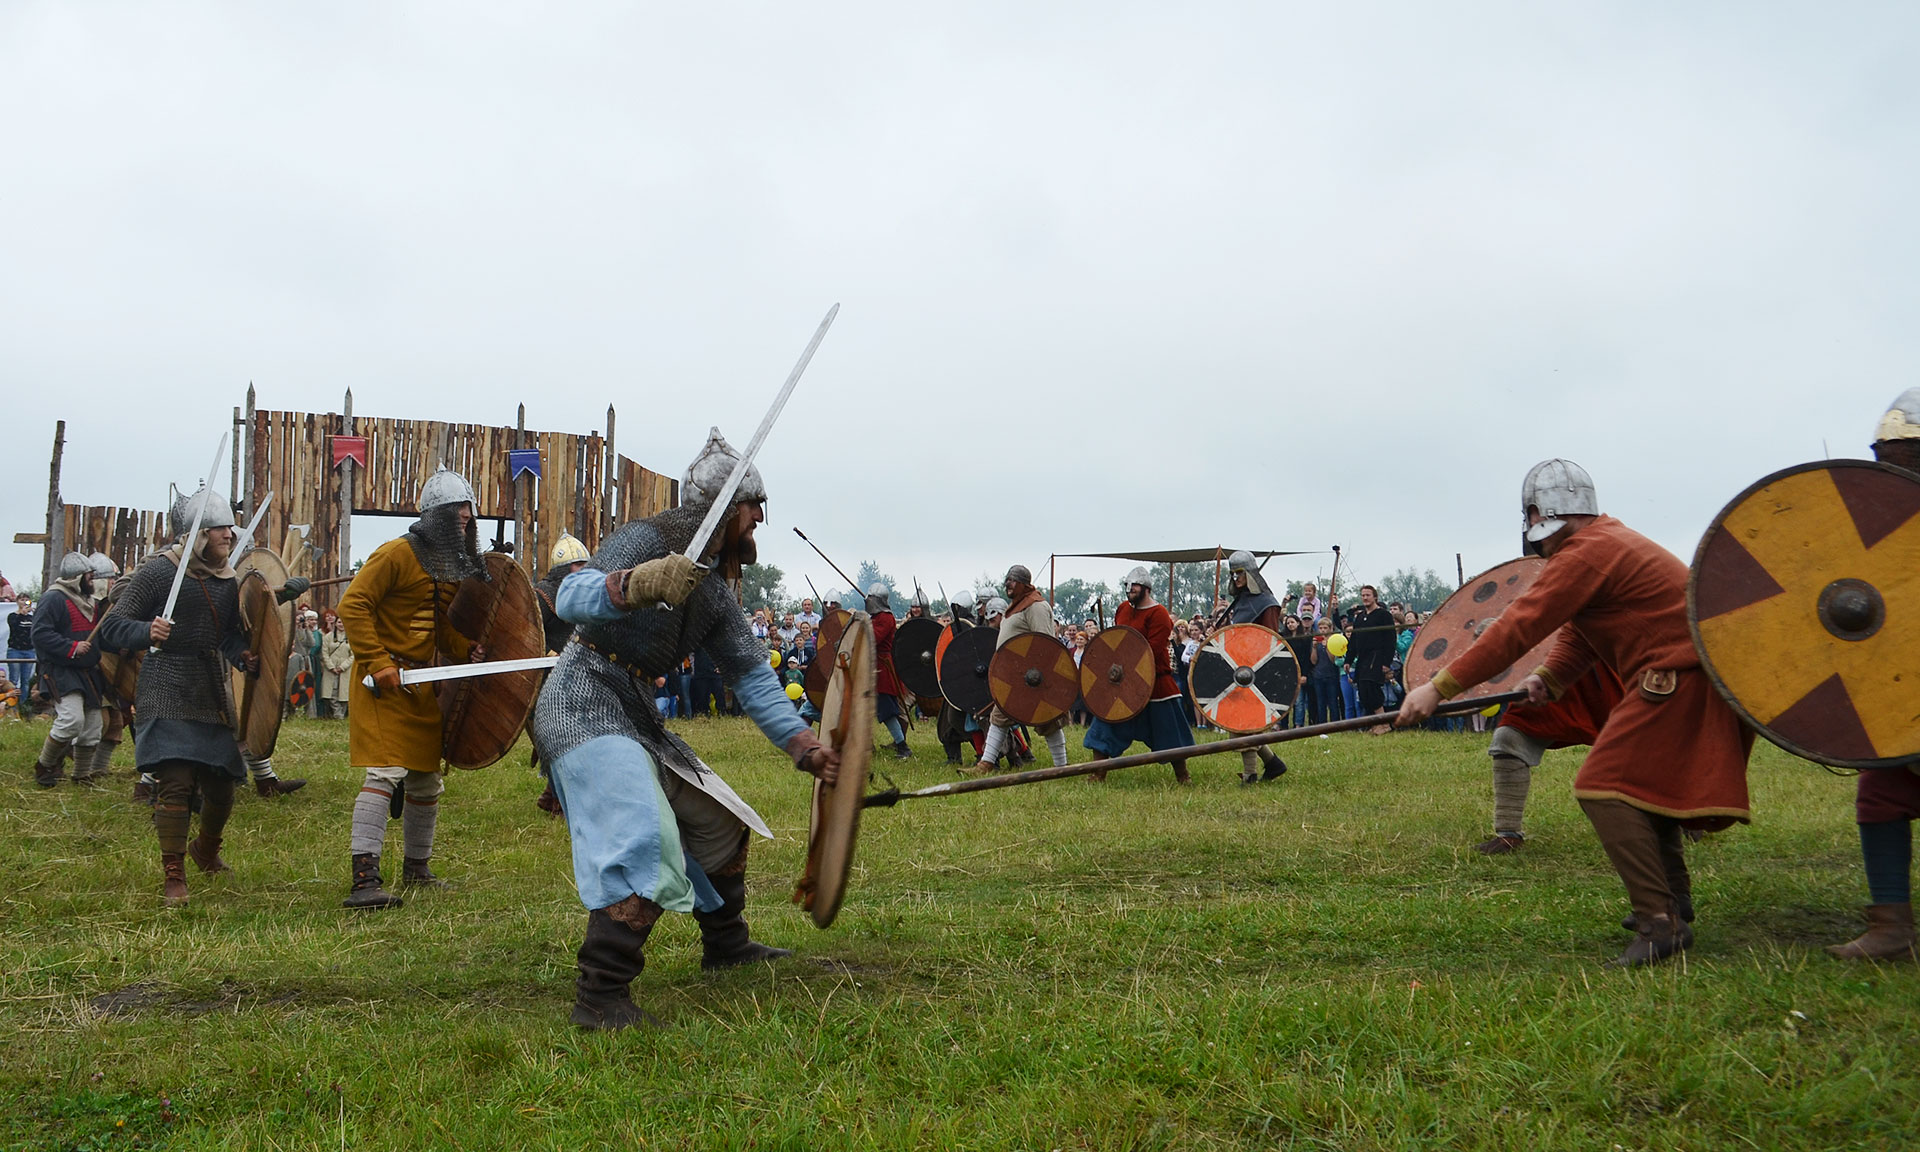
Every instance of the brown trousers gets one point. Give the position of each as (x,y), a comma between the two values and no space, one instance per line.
(1646,850)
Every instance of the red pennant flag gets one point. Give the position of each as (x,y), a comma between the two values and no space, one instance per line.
(349,448)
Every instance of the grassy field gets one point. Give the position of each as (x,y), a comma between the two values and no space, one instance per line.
(1320,962)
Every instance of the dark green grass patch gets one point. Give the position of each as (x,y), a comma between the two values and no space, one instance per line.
(1318,962)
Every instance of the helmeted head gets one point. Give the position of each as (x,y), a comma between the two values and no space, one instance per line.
(445,486)
(919,605)
(216,524)
(1017,581)
(568,552)
(701,486)
(1244,571)
(1138,585)
(1897,439)
(104,569)
(963,598)
(879,598)
(446,538)
(74,575)
(996,608)
(1554,490)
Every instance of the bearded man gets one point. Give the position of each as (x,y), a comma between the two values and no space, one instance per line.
(395,614)
(1254,603)
(1672,752)
(654,829)
(69,665)
(1163,724)
(183,703)
(1024,610)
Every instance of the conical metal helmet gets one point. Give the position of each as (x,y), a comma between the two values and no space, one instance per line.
(74,564)
(1902,421)
(103,566)
(709,471)
(1139,575)
(568,550)
(445,486)
(218,514)
(1556,488)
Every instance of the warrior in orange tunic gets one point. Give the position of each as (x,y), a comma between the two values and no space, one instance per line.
(1671,751)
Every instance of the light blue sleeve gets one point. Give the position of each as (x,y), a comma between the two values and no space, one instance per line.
(583,599)
(764,698)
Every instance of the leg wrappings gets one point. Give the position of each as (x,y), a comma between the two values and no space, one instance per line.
(1512,779)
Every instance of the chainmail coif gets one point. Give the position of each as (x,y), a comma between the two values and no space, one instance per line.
(448,554)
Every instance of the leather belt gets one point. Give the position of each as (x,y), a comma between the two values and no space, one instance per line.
(614,658)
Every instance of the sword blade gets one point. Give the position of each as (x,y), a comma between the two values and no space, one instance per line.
(246,534)
(193,533)
(720,502)
(484,668)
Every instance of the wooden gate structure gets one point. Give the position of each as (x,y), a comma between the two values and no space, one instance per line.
(324,468)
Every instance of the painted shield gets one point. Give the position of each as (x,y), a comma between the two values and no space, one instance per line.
(1244,678)
(1116,674)
(826,640)
(946,637)
(1466,614)
(1033,679)
(964,667)
(914,644)
(482,716)
(1804,601)
(122,670)
(260,698)
(846,724)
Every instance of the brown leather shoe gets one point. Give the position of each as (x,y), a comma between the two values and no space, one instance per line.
(1499,845)
(548,801)
(1663,938)
(206,856)
(173,888)
(274,786)
(1889,935)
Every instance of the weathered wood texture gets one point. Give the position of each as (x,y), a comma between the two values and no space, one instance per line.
(292,457)
(127,535)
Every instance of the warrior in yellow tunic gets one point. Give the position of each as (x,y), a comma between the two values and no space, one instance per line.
(395,613)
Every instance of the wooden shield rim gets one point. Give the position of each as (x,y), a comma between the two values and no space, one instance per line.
(1094,681)
(276,579)
(260,701)
(503,569)
(846,725)
(1233,635)
(1050,692)
(948,690)
(1451,617)
(1707,663)
(903,657)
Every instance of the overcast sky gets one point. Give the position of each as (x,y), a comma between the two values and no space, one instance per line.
(1113,275)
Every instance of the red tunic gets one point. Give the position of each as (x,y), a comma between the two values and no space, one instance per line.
(1576,717)
(1683,754)
(1156,624)
(884,681)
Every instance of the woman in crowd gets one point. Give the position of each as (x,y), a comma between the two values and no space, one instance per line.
(336,662)
(1300,643)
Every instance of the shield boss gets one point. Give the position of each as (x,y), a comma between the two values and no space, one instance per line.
(1033,679)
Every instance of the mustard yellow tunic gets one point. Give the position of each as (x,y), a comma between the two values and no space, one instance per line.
(396,616)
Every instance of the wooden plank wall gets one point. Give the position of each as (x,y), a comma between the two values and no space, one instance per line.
(127,535)
(293,459)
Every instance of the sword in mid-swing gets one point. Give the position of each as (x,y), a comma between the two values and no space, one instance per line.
(245,536)
(893,796)
(193,534)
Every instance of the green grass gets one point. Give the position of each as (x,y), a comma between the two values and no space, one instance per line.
(1321,962)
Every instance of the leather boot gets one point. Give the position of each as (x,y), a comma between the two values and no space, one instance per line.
(173,888)
(416,874)
(143,790)
(1502,843)
(549,801)
(1889,935)
(206,854)
(53,753)
(1663,936)
(902,752)
(367,891)
(723,932)
(613,953)
(1684,903)
(270,787)
(1180,775)
(1274,767)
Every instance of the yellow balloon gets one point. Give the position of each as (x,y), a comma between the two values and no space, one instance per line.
(1490,710)
(773,654)
(1337,645)
(793,691)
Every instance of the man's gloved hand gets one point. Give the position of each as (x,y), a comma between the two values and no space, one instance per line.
(386,680)
(669,580)
(294,587)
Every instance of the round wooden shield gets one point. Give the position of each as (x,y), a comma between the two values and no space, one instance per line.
(1116,674)
(122,670)
(1033,679)
(846,725)
(946,637)
(1804,601)
(964,666)
(1466,614)
(481,717)
(260,698)
(826,640)
(914,643)
(1244,678)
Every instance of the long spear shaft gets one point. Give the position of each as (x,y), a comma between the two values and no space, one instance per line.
(891,797)
(851,582)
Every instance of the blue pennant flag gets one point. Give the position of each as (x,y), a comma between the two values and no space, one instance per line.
(523,460)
